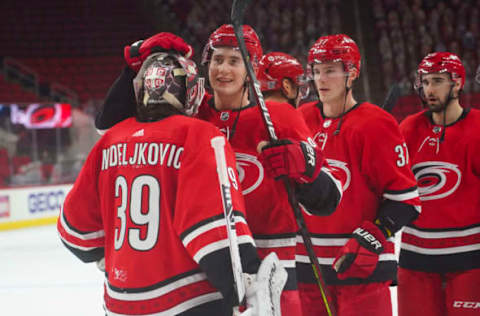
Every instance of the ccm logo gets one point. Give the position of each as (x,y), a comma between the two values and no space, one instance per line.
(469,305)
(368,237)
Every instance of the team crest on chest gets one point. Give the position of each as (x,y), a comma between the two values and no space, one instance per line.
(436,179)
(341,172)
(250,172)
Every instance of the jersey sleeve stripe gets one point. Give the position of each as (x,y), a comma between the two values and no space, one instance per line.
(206,221)
(76,246)
(221,244)
(186,239)
(70,230)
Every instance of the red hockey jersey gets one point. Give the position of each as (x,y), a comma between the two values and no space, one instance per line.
(369,155)
(269,214)
(148,197)
(446,236)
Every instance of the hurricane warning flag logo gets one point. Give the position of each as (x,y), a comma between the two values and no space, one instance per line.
(436,179)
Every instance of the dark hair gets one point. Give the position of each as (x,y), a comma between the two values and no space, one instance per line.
(155,112)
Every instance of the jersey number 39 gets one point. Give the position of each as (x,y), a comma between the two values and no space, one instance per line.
(146,219)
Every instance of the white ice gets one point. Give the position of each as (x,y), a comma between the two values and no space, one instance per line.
(40,277)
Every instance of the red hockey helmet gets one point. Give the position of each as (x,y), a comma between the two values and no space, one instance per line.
(225,36)
(274,67)
(338,47)
(441,62)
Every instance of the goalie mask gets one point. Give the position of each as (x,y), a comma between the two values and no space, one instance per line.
(169,79)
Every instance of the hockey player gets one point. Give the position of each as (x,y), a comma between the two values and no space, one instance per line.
(439,270)
(269,214)
(364,147)
(281,78)
(148,201)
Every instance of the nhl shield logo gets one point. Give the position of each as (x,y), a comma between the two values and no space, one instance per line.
(224,116)
(437,129)
(327,123)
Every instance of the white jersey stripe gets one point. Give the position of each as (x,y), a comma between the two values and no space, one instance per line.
(224,243)
(148,295)
(180,308)
(329,261)
(77,246)
(85,236)
(330,242)
(402,196)
(276,243)
(443,234)
(212,225)
(439,251)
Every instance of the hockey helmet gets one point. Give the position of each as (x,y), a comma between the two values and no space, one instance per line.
(335,48)
(276,66)
(169,78)
(441,62)
(225,36)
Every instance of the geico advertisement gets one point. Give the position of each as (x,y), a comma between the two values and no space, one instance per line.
(34,202)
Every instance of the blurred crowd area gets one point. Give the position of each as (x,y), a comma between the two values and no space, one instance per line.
(34,156)
(72,51)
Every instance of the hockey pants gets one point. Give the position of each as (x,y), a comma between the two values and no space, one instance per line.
(371,299)
(436,294)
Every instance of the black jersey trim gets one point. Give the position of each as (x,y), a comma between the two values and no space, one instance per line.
(154,286)
(207,221)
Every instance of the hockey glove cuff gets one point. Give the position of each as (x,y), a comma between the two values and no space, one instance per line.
(297,160)
(263,290)
(359,257)
(136,53)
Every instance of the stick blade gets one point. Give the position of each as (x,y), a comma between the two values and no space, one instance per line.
(238,11)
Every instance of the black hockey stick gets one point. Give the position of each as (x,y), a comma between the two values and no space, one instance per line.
(238,11)
(392,97)
(218,144)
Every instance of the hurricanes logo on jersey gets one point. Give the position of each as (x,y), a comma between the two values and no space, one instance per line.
(436,179)
(250,172)
(341,172)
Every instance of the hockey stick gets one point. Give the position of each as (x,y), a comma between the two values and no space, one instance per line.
(238,11)
(218,144)
(392,97)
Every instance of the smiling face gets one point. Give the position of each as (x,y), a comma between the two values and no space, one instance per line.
(227,73)
(437,88)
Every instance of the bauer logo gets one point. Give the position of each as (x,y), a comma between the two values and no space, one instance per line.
(250,172)
(436,179)
(45,201)
(4,206)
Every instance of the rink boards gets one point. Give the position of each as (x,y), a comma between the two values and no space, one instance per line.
(31,206)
